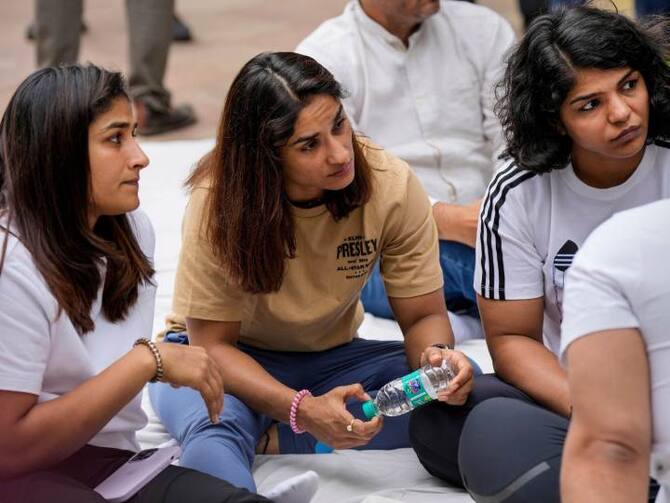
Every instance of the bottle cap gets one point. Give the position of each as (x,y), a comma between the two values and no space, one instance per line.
(321,448)
(370,409)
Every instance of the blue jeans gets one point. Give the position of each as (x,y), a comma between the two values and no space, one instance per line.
(458,269)
(226,450)
(647,7)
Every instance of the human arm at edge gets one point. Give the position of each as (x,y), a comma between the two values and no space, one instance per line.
(36,435)
(457,222)
(606,455)
(513,330)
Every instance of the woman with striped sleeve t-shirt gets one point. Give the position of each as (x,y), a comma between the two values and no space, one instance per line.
(586,111)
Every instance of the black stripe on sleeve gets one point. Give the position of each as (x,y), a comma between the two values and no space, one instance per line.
(490,237)
(484,235)
(662,143)
(501,269)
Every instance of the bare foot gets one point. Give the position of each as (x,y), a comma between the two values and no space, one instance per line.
(269,441)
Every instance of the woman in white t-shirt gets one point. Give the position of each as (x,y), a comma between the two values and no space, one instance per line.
(615,341)
(585,106)
(77,298)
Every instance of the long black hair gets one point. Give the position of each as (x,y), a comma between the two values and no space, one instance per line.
(542,70)
(45,191)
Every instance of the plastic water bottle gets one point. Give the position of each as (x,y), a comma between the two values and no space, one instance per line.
(409,392)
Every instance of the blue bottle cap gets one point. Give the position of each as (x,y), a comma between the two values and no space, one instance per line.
(321,448)
(370,409)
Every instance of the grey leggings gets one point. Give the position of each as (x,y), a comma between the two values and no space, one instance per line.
(501,445)
(511,450)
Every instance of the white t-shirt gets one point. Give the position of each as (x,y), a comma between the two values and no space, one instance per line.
(430,104)
(41,353)
(531,225)
(620,279)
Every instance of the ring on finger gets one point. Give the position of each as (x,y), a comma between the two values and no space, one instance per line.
(350,426)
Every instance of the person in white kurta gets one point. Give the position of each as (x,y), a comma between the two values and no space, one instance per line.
(421,80)
(615,344)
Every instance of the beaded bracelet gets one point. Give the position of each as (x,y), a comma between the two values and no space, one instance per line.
(143,341)
(294,410)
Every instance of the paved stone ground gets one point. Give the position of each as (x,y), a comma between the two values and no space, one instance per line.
(227,33)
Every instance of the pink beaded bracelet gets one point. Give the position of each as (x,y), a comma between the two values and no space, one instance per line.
(294,410)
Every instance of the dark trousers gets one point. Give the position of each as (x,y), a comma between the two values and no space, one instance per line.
(501,445)
(435,429)
(149,35)
(73,480)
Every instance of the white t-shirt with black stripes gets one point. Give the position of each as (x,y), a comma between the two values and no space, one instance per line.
(41,352)
(531,225)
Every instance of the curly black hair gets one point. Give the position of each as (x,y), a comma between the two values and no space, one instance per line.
(542,69)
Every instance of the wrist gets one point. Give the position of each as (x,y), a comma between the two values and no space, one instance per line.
(296,419)
(145,360)
(155,357)
(306,412)
(445,219)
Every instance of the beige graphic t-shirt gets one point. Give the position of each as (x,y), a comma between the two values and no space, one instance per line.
(317,306)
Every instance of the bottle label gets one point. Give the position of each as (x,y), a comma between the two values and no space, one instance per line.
(414,389)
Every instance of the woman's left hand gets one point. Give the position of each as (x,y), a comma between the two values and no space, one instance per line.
(460,386)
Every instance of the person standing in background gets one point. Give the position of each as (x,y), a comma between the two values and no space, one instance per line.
(150,34)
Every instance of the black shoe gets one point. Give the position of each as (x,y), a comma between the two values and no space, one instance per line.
(151,122)
(180,32)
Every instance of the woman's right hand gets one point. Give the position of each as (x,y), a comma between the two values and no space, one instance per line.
(326,418)
(191,366)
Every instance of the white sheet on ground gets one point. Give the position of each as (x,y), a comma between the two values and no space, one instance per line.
(345,476)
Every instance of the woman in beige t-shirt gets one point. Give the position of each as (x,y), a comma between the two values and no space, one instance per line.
(287,217)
